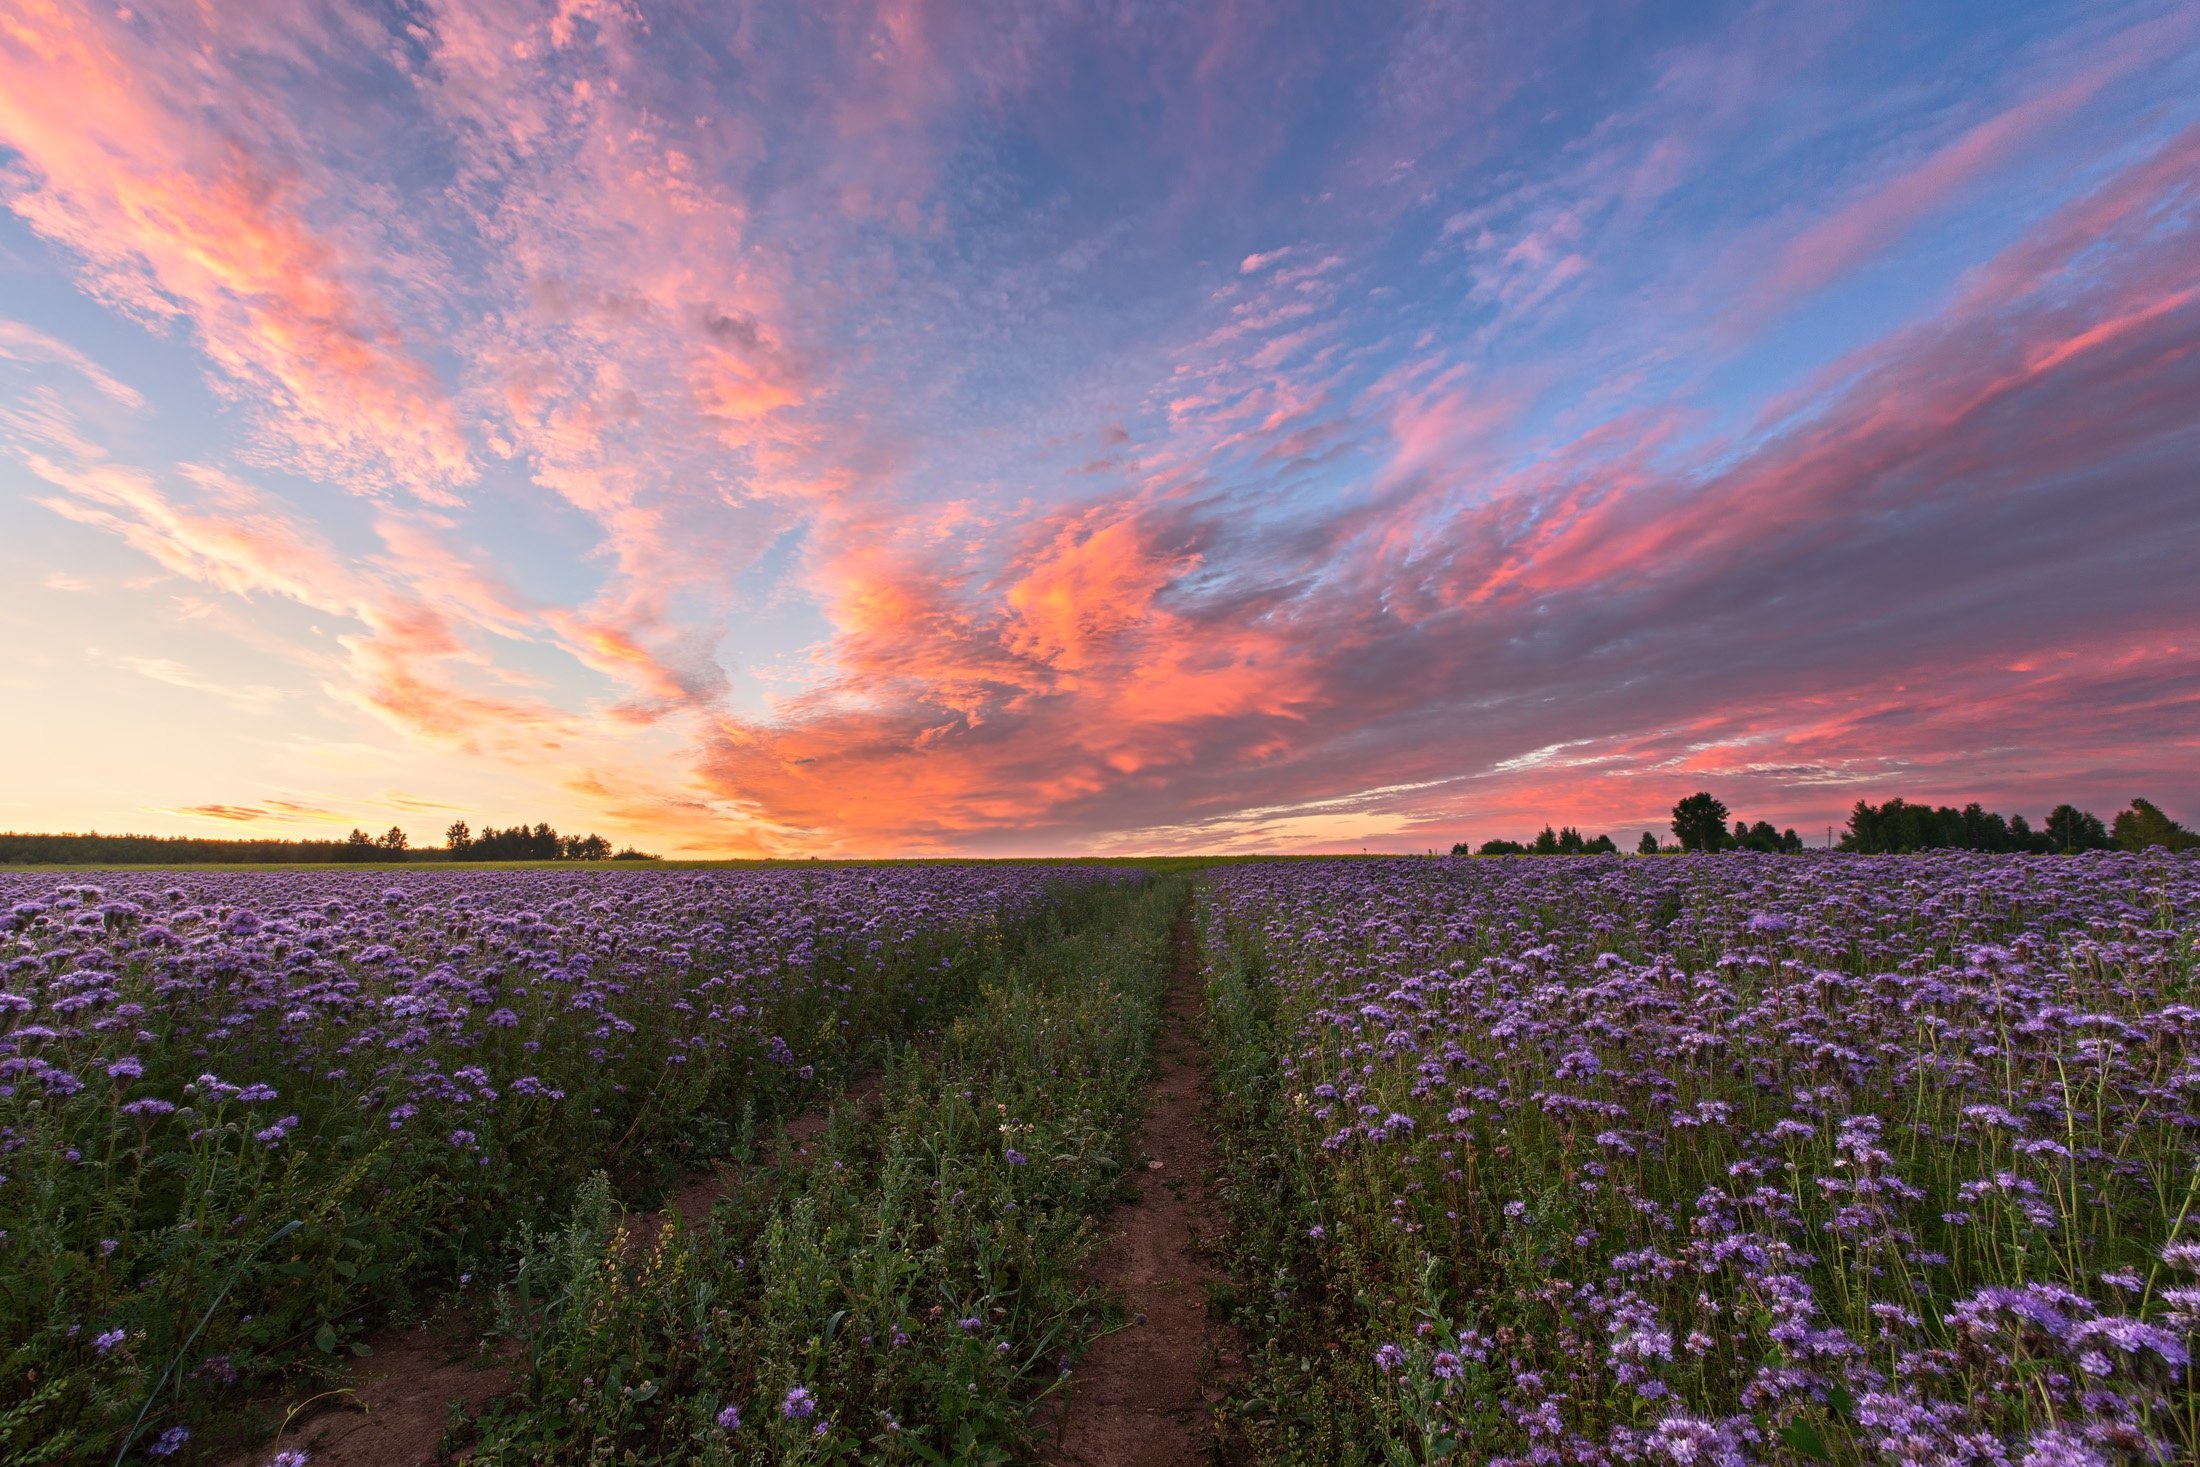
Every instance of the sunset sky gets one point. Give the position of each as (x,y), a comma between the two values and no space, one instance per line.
(892,428)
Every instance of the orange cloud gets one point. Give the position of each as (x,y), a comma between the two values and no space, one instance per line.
(175,215)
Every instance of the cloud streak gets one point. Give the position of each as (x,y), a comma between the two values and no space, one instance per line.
(883,426)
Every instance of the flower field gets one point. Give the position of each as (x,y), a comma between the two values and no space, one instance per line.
(1713,1160)
(1700,1160)
(244,1117)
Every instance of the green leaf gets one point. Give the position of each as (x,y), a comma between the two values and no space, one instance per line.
(1804,1438)
(324,1338)
(1843,1404)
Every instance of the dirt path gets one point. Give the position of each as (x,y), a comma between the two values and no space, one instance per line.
(400,1400)
(1142,1397)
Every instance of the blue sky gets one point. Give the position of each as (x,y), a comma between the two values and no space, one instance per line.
(875,427)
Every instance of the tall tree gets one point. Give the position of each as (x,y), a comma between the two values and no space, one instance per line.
(2072,829)
(2145,825)
(1699,822)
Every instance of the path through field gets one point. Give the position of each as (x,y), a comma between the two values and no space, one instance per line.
(1143,1397)
(400,1400)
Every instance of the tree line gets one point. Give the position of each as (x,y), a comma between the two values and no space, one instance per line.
(90,848)
(520,843)
(538,842)
(1700,824)
(1899,826)
(1565,841)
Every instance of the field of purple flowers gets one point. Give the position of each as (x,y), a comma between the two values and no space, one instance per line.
(245,1116)
(1713,1160)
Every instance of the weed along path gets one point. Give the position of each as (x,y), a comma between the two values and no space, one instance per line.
(1142,1396)
(422,1380)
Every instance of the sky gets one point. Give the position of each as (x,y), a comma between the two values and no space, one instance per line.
(855,428)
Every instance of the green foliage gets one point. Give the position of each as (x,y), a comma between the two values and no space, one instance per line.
(906,1289)
(23,848)
(167,1229)
(1699,823)
(2144,825)
(524,843)
(1566,842)
(1899,826)
(2072,829)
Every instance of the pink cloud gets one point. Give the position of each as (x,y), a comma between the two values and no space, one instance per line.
(174,213)
(1101,679)
(1873,223)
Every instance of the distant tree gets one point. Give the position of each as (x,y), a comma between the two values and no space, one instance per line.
(1501,848)
(1700,823)
(1983,830)
(90,848)
(628,853)
(393,844)
(457,839)
(2145,825)
(1790,841)
(2072,829)
(1899,826)
(1758,837)
(1546,842)
(1601,846)
(1461,848)
(358,846)
(1647,846)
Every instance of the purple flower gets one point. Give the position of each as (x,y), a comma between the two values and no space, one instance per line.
(171,1442)
(800,1405)
(1013,1157)
(107,1340)
(2057,1448)
(729,1416)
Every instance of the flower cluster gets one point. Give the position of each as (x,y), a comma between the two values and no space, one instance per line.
(1887,1159)
(188,1061)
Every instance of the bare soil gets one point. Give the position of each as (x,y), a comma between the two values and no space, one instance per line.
(1144,1396)
(399,1403)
